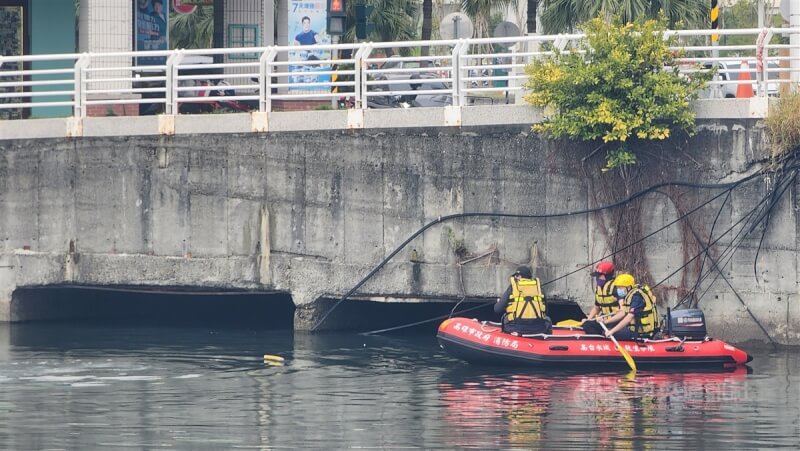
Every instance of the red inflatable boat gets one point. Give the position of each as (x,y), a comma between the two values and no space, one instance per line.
(482,342)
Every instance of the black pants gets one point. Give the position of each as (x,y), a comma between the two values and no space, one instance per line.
(625,334)
(592,328)
(529,326)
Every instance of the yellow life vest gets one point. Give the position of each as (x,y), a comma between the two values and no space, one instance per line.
(647,321)
(526,300)
(605,299)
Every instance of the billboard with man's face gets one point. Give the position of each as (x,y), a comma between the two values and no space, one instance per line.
(307,28)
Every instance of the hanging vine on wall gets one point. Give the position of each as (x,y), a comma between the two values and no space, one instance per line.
(620,225)
(622,229)
(693,244)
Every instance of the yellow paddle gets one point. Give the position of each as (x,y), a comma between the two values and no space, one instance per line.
(576,323)
(621,350)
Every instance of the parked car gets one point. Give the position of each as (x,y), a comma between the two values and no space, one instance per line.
(426,67)
(726,71)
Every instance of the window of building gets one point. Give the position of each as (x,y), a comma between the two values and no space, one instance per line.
(241,35)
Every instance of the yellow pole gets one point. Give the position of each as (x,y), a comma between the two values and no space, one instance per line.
(714,20)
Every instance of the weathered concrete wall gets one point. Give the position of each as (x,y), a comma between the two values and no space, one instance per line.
(312,212)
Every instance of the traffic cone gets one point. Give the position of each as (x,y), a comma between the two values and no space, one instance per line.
(744,89)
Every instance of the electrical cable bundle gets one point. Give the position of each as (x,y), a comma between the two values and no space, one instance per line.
(761,213)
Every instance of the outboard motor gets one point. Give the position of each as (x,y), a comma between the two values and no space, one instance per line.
(687,324)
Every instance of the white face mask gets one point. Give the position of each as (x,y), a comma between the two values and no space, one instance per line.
(621,292)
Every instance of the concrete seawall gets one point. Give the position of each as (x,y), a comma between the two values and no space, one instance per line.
(310,213)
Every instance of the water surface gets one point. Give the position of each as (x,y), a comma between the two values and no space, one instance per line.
(144,387)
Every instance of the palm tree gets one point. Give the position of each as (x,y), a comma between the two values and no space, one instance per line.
(192,31)
(395,20)
(392,20)
(559,16)
(427,25)
(480,11)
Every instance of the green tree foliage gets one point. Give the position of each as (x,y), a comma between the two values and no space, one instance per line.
(480,11)
(621,83)
(744,14)
(559,16)
(392,20)
(192,31)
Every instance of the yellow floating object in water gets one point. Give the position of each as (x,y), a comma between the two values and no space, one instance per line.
(273,358)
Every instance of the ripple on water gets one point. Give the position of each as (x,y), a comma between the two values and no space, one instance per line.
(188,376)
(130,378)
(53,378)
(88,384)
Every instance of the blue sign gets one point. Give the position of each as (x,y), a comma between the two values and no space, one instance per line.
(152,29)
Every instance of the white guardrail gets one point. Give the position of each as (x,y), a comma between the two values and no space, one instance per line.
(457,73)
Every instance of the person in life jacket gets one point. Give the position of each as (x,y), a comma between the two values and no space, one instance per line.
(605,303)
(638,317)
(522,305)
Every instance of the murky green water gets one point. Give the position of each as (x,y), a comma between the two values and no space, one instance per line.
(137,387)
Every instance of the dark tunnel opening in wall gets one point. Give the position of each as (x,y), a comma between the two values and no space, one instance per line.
(154,307)
(368,315)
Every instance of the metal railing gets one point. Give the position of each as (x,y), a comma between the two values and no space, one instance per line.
(367,75)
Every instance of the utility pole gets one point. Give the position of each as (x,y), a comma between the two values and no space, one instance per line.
(336,26)
(714,16)
(794,41)
(268,36)
(218,40)
(334,77)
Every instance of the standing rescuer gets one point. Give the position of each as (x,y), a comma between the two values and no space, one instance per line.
(605,302)
(638,317)
(522,305)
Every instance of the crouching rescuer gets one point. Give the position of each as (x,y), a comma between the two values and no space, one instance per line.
(638,317)
(606,304)
(522,305)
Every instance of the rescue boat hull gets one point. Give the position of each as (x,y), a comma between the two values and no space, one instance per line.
(484,343)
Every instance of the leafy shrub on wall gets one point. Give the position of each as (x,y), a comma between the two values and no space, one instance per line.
(621,83)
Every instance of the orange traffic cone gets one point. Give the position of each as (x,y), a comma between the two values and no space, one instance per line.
(744,89)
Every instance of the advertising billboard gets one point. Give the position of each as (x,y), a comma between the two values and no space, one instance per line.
(307,28)
(151,26)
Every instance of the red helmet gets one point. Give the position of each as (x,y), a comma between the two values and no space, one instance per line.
(604,267)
